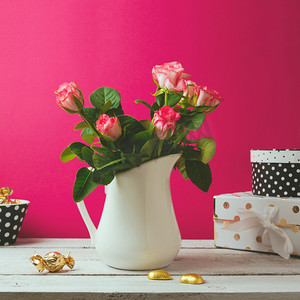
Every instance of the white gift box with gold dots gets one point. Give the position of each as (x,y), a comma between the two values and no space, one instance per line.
(226,211)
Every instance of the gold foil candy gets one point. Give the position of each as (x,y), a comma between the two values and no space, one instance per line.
(159,275)
(191,278)
(52,261)
(4,193)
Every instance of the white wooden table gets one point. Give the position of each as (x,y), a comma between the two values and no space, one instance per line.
(228,274)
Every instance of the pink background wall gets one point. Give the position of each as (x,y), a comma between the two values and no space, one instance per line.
(247,50)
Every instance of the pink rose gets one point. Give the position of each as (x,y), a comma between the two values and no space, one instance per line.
(190,90)
(109,127)
(164,121)
(66,94)
(170,76)
(207,97)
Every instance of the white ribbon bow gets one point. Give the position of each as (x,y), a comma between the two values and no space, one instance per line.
(273,236)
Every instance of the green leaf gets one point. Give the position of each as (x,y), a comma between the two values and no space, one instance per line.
(141,138)
(83,185)
(145,103)
(148,148)
(155,107)
(87,135)
(190,153)
(91,114)
(87,154)
(104,94)
(207,145)
(173,99)
(160,97)
(103,178)
(130,125)
(122,167)
(115,112)
(193,122)
(107,152)
(134,159)
(199,173)
(106,107)
(67,155)
(100,160)
(147,124)
(76,149)
(112,163)
(81,125)
(180,165)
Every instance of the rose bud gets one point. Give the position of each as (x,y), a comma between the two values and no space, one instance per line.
(207,97)
(109,127)
(164,121)
(69,97)
(190,90)
(170,76)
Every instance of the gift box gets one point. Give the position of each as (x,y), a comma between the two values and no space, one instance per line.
(248,222)
(276,172)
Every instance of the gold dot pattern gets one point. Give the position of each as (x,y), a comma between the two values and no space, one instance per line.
(247,248)
(226,205)
(226,246)
(271,205)
(295,253)
(295,209)
(216,235)
(236,218)
(248,206)
(236,236)
(295,228)
(271,251)
(258,239)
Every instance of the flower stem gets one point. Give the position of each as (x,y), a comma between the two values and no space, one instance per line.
(166,98)
(160,145)
(84,117)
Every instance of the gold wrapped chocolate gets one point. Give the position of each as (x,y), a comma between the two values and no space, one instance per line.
(191,278)
(52,261)
(159,275)
(4,193)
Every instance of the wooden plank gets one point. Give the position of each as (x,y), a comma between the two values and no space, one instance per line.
(228,274)
(203,261)
(223,285)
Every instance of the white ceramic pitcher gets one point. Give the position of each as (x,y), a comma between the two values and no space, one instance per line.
(138,228)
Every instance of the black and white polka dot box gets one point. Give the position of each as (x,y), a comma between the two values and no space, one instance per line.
(11,219)
(276,172)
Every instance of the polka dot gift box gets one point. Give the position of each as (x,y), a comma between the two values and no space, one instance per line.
(11,219)
(257,223)
(276,172)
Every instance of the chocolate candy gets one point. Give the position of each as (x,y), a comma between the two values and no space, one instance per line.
(159,275)
(191,278)
(4,193)
(52,261)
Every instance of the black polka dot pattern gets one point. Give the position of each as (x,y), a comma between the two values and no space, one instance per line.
(276,179)
(11,219)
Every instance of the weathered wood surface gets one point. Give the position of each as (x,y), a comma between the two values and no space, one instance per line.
(228,274)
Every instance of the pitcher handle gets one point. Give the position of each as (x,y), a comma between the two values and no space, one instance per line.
(88,221)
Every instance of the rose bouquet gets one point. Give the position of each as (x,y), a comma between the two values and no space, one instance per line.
(115,142)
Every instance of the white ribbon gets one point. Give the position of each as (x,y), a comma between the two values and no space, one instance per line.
(273,236)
